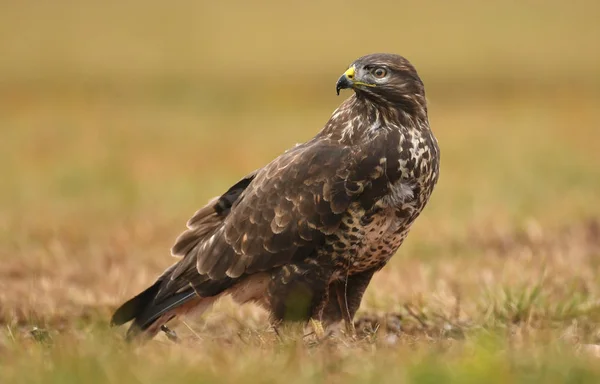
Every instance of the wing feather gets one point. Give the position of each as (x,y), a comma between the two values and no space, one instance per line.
(280,212)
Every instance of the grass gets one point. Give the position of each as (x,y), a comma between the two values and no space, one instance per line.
(118,121)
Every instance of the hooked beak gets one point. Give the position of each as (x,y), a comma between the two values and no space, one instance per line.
(349,80)
(346,80)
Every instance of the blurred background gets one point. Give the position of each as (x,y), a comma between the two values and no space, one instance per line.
(118,119)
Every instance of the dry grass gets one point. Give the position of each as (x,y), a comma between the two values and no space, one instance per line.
(118,120)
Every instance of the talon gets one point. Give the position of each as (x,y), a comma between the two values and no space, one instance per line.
(171,335)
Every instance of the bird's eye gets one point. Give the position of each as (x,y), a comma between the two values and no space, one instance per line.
(379,72)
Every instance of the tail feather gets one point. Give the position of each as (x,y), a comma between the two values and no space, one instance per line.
(148,313)
(133,307)
(144,311)
(155,315)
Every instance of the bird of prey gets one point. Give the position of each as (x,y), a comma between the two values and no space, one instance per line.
(304,235)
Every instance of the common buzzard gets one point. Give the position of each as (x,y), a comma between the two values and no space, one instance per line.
(304,235)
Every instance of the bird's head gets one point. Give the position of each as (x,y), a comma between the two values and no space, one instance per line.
(383,77)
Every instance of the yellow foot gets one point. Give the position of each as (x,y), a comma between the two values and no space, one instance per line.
(350,329)
(318,329)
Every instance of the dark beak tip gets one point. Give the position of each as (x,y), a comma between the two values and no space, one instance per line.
(342,83)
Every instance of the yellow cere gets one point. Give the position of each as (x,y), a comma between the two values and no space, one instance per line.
(350,72)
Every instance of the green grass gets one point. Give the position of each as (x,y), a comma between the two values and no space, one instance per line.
(118,121)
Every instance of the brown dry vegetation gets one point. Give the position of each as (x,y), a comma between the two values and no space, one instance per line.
(118,120)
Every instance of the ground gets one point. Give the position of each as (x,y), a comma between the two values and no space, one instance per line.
(104,158)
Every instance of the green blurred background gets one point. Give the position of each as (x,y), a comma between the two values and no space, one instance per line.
(146,102)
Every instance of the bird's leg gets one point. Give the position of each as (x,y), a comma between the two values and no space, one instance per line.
(318,330)
(316,319)
(342,299)
(348,296)
(298,292)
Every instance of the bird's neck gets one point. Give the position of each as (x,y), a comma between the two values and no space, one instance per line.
(359,119)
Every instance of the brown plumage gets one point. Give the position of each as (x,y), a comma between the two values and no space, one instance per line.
(303,235)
